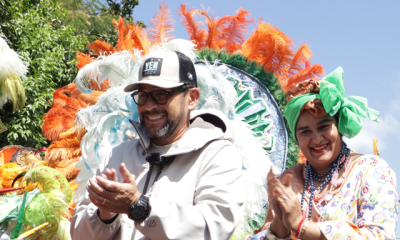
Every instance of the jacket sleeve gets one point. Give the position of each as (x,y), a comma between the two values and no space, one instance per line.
(217,205)
(377,206)
(86,224)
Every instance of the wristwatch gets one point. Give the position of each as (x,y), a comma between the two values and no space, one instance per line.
(139,210)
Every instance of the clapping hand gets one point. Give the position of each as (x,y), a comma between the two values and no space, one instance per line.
(110,196)
(284,201)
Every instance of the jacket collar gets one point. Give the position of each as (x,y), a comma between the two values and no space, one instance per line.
(144,140)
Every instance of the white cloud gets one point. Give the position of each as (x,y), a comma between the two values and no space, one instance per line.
(386,131)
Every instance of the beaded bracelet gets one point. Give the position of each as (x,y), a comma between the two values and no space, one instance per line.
(300,226)
(303,228)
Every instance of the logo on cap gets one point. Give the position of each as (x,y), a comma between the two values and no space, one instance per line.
(152,67)
(190,76)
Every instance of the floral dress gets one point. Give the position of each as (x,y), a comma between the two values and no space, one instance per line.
(364,207)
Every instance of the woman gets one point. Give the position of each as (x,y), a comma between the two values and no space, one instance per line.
(335,194)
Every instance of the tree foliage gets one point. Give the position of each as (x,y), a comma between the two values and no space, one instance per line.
(123,9)
(89,18)
(35,29)
(92,18)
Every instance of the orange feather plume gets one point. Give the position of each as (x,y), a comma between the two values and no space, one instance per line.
(281,59)
(67,101)
(131,36)
(215,28)
(66,147)
(83,59)
(124,41)
(62,98)
(64,153)
(189,21)
(100,47)
(122,31)
(140,39)
(234,34)
(269,47)
(299,59)
(253,45)
(120,26)
(162,26)
(56,121)
(70,172)
(315,71)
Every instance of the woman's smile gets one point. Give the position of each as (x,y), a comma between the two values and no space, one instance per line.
(320,148)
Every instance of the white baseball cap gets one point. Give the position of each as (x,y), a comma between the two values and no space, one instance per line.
(166,70)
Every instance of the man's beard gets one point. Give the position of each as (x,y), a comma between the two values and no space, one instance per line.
(165,131)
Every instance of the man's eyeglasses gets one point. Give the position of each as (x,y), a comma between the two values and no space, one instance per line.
(159,96)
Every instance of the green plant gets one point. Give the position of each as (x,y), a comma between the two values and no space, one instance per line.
(35,29)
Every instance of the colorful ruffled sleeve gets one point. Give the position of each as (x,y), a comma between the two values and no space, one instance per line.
(375,200)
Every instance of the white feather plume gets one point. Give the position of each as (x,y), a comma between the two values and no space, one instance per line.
(184,46)
(216,92)
(118,68)
(12,69)
(10,61)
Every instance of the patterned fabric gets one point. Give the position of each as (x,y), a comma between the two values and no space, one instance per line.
(366,207)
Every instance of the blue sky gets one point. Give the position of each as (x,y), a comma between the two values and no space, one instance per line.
(361,36)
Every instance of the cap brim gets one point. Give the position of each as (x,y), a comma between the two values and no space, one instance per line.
(157,83)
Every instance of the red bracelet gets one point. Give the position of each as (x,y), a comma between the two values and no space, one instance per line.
(299,227)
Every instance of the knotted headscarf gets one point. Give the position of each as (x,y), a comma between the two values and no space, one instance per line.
(332,96)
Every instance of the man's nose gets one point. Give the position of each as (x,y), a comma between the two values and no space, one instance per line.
(150,104)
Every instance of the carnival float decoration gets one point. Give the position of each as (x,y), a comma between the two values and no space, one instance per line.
(246,79)
(12,69)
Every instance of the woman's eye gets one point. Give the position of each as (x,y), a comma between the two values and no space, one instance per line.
(323,127)
(305,131)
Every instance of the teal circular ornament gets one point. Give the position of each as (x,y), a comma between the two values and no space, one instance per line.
(256,106)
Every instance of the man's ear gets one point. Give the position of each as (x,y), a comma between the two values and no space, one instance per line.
(194,95)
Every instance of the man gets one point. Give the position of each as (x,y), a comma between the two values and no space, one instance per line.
(180,180)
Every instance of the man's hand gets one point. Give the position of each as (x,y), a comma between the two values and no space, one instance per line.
(112,197)
(111,175)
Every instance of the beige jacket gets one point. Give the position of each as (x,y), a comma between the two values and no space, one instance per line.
(200,195)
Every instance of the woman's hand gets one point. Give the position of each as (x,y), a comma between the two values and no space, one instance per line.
(272,195)
(277,226)
(288,202)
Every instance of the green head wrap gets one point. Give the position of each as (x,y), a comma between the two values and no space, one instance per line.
(332,96)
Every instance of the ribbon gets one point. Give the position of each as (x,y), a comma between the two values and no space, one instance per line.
(350,110)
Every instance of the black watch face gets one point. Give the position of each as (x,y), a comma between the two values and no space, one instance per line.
(138,212)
